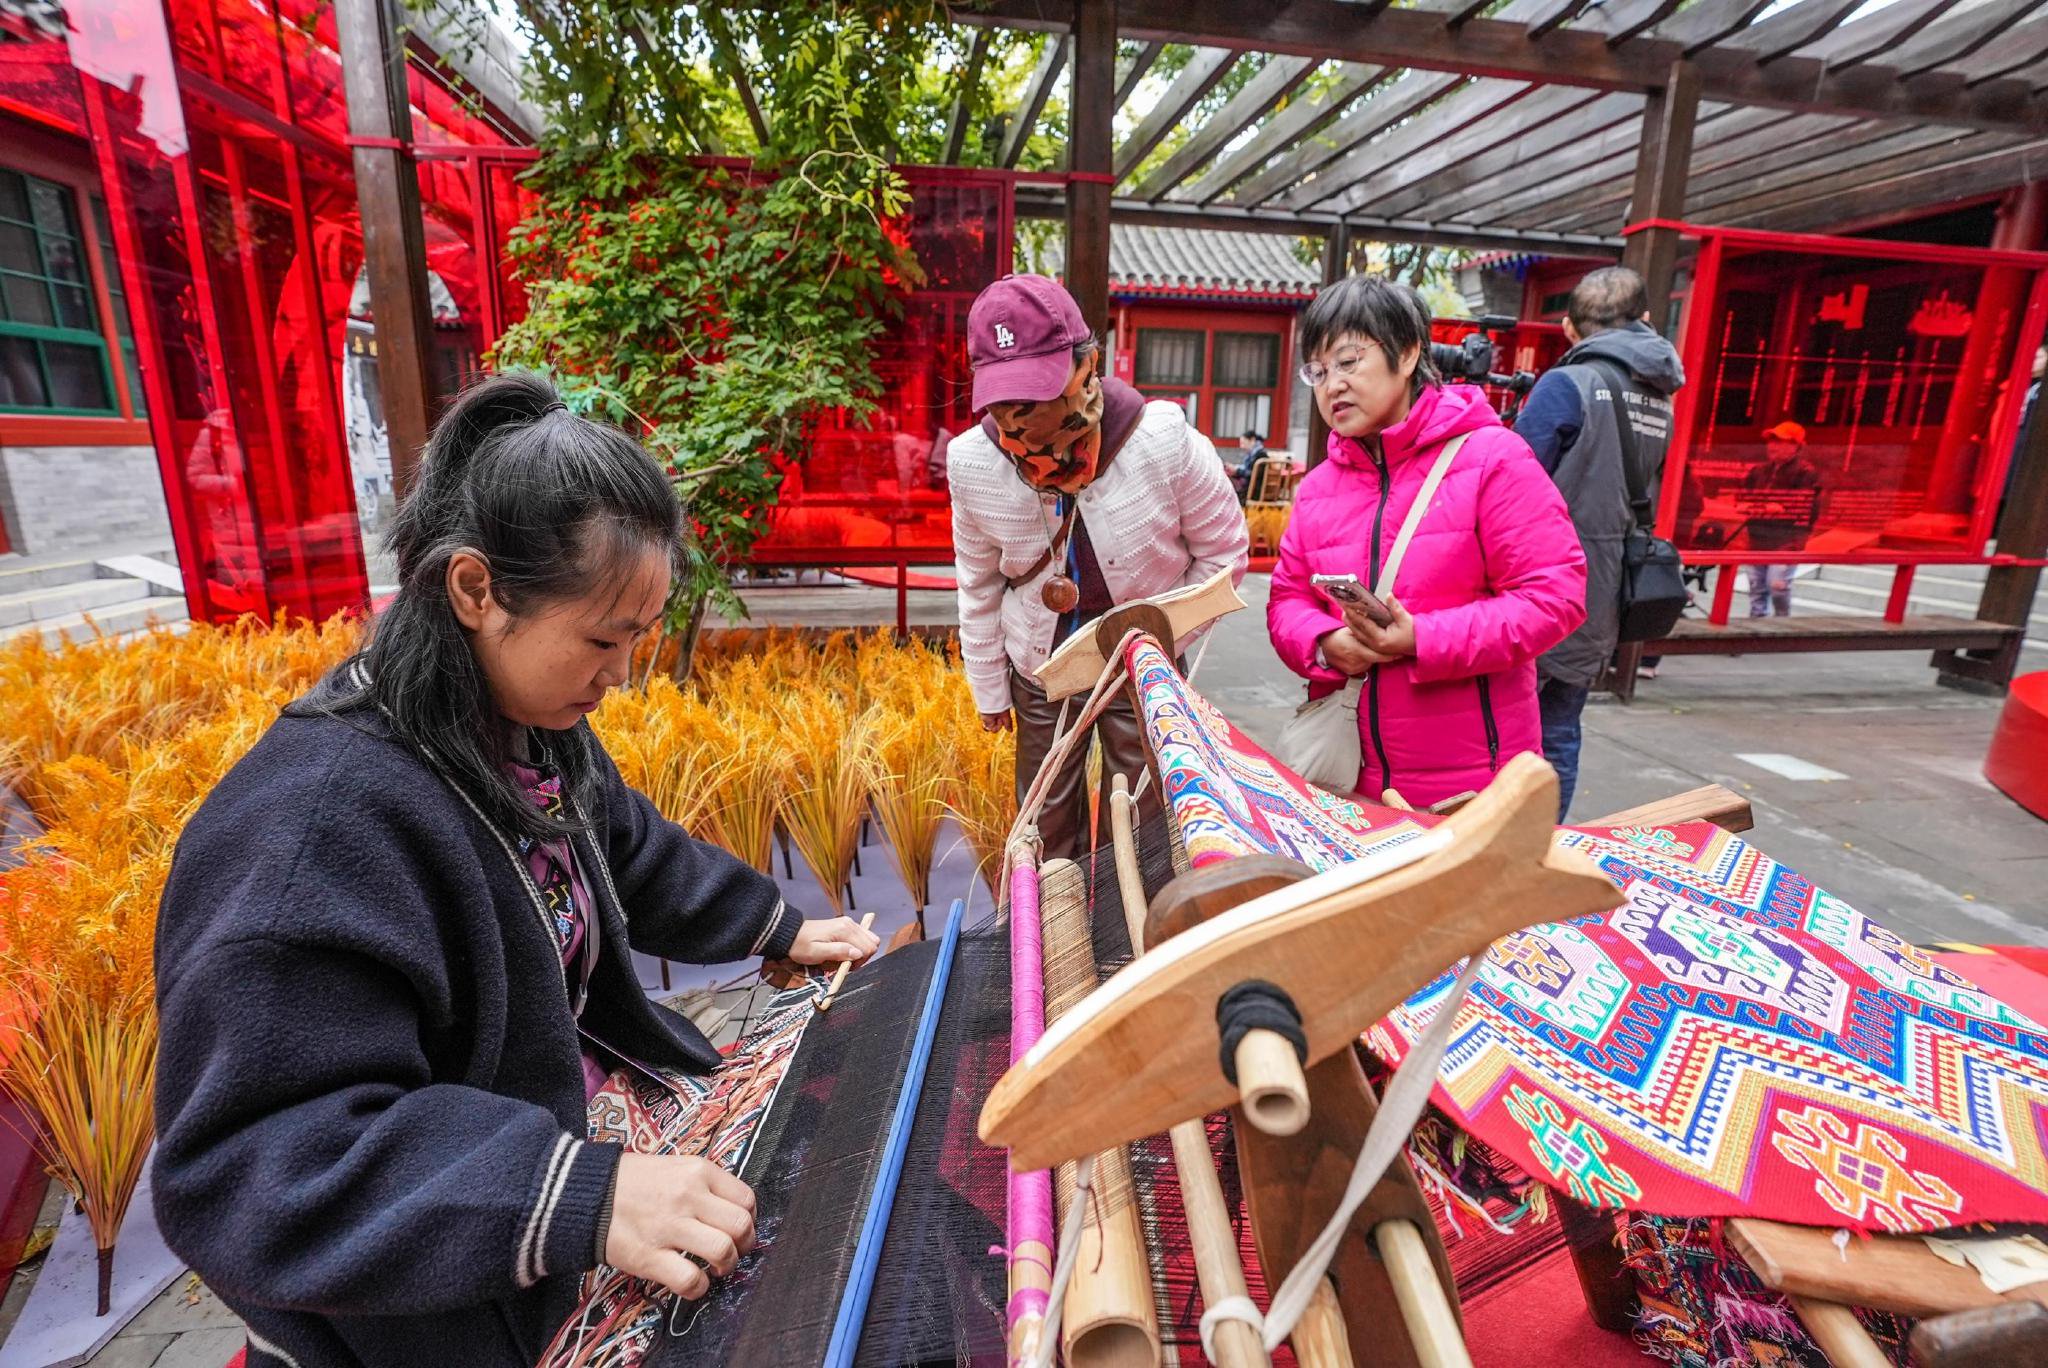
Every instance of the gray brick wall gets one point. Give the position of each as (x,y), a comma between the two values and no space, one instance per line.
(71,497)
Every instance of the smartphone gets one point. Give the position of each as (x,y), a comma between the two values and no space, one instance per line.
(1349,590)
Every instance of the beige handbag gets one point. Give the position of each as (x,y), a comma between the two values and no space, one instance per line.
(1320,743)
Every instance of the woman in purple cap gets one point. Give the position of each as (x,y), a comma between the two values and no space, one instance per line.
(1072,496)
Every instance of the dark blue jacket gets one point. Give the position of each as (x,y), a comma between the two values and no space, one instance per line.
(370,1097)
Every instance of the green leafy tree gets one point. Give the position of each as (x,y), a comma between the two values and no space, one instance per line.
(718,308)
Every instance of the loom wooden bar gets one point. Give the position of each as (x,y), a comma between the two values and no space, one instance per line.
(1109,1320)
(394,235)
(1127,1063)
(1839,1334)
(1432,1323)
(1708,803)
(1896,1273)
(1293,1182)
(1091,152)
(1210,1233)
(867,923)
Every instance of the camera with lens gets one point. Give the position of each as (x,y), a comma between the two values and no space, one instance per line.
(1470,361)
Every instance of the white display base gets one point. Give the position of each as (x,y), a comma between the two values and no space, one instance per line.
(57,1327)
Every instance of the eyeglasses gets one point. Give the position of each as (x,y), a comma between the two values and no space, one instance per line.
(1314,373)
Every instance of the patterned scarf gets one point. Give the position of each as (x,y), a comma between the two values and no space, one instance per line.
(1055,443)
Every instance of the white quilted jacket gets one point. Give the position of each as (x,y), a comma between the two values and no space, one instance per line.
(1163,515)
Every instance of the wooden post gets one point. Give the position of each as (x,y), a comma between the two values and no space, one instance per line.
(1663,162)
(2023,523)
(1091,150)
(394,237)
(1336,265)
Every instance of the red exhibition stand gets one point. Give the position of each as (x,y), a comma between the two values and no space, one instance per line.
(2018,759)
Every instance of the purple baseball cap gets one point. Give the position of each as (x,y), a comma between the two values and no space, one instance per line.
(1021,335)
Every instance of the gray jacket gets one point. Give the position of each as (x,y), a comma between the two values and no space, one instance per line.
(1585,459)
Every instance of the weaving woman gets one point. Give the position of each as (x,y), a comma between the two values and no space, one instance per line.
(1074,495)
(403,1048)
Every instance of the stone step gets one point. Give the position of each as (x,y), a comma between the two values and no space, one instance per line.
(19,574)
(68,600)
(120,620)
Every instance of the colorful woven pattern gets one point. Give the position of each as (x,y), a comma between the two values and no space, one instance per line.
(713,1116)
(1730,1041)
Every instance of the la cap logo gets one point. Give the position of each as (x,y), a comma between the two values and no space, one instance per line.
(1005,339)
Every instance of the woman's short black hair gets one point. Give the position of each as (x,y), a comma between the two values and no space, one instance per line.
(1388,312)
(556,505)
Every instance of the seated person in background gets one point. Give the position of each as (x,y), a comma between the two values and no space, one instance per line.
(1781,495)
(1493,577)
(1072,496)
(1253,445)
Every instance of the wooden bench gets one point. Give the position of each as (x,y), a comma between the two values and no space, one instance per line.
(1766,635)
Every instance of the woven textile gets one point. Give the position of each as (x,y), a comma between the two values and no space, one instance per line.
(713,1116)
(1732,1040)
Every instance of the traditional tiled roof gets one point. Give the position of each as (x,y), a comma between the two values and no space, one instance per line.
(1147,262)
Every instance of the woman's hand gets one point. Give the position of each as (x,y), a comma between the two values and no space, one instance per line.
(832,939)
(1391,642)
(995,721)
(678,1221)
(1348,655)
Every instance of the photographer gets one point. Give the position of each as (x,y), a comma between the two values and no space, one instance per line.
(1618,370)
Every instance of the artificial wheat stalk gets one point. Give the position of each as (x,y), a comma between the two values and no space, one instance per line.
(85,1074)
(828,793)
(908,764)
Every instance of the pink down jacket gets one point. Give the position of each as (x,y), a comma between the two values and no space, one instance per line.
(1494,577)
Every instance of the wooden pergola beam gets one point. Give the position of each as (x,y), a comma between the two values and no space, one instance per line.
(1669,117)
(1304,118)
(1273,82)
(1876,200)
(1407,95)
(1882,157)
(963,99)
(1781,35)
(1206,66)
(1580,55)
(1130,71)
(1436,153)
(1711,21)
(1048,202)
(1861,40)
(1091,143)
(1527,150)
(1042,78)
(1455,120)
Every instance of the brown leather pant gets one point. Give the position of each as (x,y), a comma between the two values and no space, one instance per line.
(1063,822)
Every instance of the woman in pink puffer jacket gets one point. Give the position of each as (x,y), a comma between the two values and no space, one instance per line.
(1493,578)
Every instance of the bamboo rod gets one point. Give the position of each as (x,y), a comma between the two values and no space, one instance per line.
(1432,1325)
(867,923)
(1210,1232)
(1110,1318)
(1319,1339)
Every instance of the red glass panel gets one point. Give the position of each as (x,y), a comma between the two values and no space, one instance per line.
(1902,372)
(879,489)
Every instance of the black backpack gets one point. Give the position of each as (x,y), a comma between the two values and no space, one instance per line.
(1653,593)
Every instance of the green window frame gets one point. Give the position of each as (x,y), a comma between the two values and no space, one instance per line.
(50,326)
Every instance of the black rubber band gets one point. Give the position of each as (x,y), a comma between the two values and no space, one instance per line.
(1256,1005)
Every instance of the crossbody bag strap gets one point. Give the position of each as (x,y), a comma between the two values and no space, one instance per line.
(1631,455)
(1392,566)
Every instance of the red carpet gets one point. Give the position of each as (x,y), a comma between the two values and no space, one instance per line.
(1538,1318)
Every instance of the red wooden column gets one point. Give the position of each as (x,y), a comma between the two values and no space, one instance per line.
(2023,526)
(1091,148)
(394,237)
(1336,265)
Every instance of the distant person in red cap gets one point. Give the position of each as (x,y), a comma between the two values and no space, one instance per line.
(1781,496)
(1073,495)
